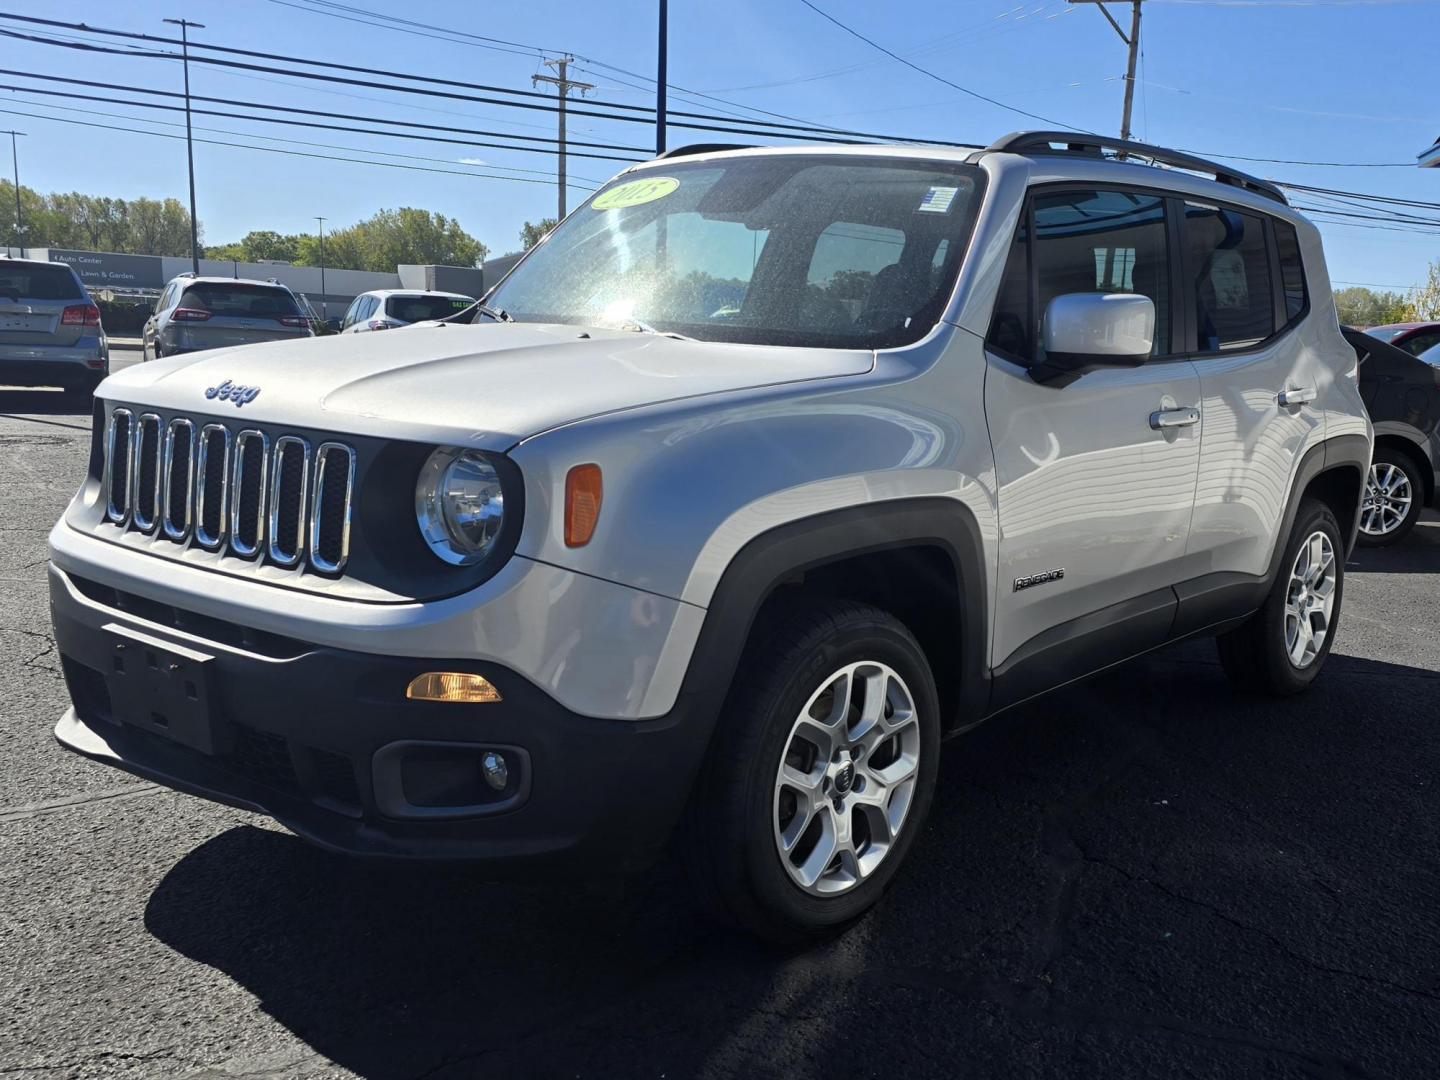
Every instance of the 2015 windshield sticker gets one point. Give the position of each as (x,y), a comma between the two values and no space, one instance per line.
(638,192)
(937,200)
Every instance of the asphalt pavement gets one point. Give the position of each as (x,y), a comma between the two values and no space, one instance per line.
(1143,876)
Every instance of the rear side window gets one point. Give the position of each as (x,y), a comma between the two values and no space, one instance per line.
(1085,241)
(1292,269)
(240,300)
(1230,278)
(39,283)
(421,308)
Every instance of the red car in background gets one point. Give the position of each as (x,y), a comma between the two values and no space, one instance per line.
(1413,337)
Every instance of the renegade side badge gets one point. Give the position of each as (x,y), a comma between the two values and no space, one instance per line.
(1031,580)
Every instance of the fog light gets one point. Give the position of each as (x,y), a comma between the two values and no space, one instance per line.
(497,773)
(451,686)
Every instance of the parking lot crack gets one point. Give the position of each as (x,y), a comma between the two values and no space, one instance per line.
(1279,943)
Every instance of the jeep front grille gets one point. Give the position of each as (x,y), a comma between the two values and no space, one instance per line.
(241,492)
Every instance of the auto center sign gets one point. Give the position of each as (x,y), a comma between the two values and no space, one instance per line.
(103,268)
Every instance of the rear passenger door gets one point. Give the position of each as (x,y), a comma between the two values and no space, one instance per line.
(1094,501)
(1245,297)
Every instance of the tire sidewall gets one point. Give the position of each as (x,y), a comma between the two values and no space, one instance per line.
(1313,517)
(769,878)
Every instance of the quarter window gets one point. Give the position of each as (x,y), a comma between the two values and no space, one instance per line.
(1292,268)
(1230,278)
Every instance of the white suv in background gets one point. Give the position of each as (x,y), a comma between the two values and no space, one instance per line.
(764,472)
(385,309)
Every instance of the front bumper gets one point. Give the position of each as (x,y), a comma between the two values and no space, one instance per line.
(325,741)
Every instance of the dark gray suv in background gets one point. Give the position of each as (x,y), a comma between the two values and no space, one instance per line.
(50,333)
(195,313)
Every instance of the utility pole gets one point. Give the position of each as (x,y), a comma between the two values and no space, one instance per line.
(1133,41)
(661,76)
(185,25)
(324,308)
(561,81)
(19,217)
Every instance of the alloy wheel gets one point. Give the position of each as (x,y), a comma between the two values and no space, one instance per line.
(846,779)
(1310,599)
(1388,495)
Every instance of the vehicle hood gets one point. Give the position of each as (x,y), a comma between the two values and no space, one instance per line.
(488,386)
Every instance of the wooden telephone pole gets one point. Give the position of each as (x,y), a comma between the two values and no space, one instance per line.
(561,82)
(1133,41)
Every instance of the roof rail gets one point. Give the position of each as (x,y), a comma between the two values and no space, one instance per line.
(187,273)
(1075,142)
(702,148)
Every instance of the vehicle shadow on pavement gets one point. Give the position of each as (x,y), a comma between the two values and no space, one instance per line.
(23,404)
(1140,871)
(1418,553)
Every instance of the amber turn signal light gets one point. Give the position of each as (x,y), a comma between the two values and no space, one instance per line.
(451,686)
(583,492)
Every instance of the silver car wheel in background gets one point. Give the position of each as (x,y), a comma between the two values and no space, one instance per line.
(846,779)
(1387,499)
(1310,599)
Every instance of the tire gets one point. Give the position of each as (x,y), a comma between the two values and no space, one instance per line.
(1394,498)
(1261,655)
(800,661)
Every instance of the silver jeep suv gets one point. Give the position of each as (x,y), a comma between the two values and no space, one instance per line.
(765,472)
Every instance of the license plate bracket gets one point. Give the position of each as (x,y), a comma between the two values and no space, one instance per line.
(161,687)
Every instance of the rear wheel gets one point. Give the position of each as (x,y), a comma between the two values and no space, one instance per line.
(1393,495)
(1283,646)
(820,775)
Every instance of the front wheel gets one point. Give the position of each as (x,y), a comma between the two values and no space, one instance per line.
(820,775)
(1393,494)
(1283,646)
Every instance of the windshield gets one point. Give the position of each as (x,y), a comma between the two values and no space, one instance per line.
(782,250)
(1388,333)
(421,308)
(245,301)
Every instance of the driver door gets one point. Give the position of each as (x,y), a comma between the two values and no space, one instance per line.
(1095,489)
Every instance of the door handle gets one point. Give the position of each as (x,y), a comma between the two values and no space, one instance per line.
(1164,419)
(1289,399)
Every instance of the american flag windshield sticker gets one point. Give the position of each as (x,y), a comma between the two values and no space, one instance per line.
(937,200)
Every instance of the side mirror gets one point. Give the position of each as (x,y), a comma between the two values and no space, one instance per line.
(1085,331)
(334,323)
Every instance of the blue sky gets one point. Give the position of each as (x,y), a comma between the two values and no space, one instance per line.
(1314,80)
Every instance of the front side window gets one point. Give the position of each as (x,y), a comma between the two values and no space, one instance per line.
(1230,278)
(781,250)
(1085,241)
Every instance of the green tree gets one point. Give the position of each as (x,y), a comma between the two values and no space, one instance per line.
(531,233)
(1425,300)
(1362,307)
(392,237)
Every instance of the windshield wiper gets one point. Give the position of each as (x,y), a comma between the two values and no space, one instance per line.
(498,314)
(646,328)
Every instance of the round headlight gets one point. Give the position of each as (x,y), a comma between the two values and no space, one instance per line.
(460,505)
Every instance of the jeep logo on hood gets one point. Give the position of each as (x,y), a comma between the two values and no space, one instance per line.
(228,391)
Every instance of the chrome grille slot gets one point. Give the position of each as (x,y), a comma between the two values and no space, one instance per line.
(212,471)
(330,510)
(247,493)
(289,482)
(119,459)
(179,479)
(146,474)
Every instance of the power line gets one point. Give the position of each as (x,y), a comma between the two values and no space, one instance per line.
(1417,203)
(642,114)
(938,78)
(275,149)
(545,146)
(588,183)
